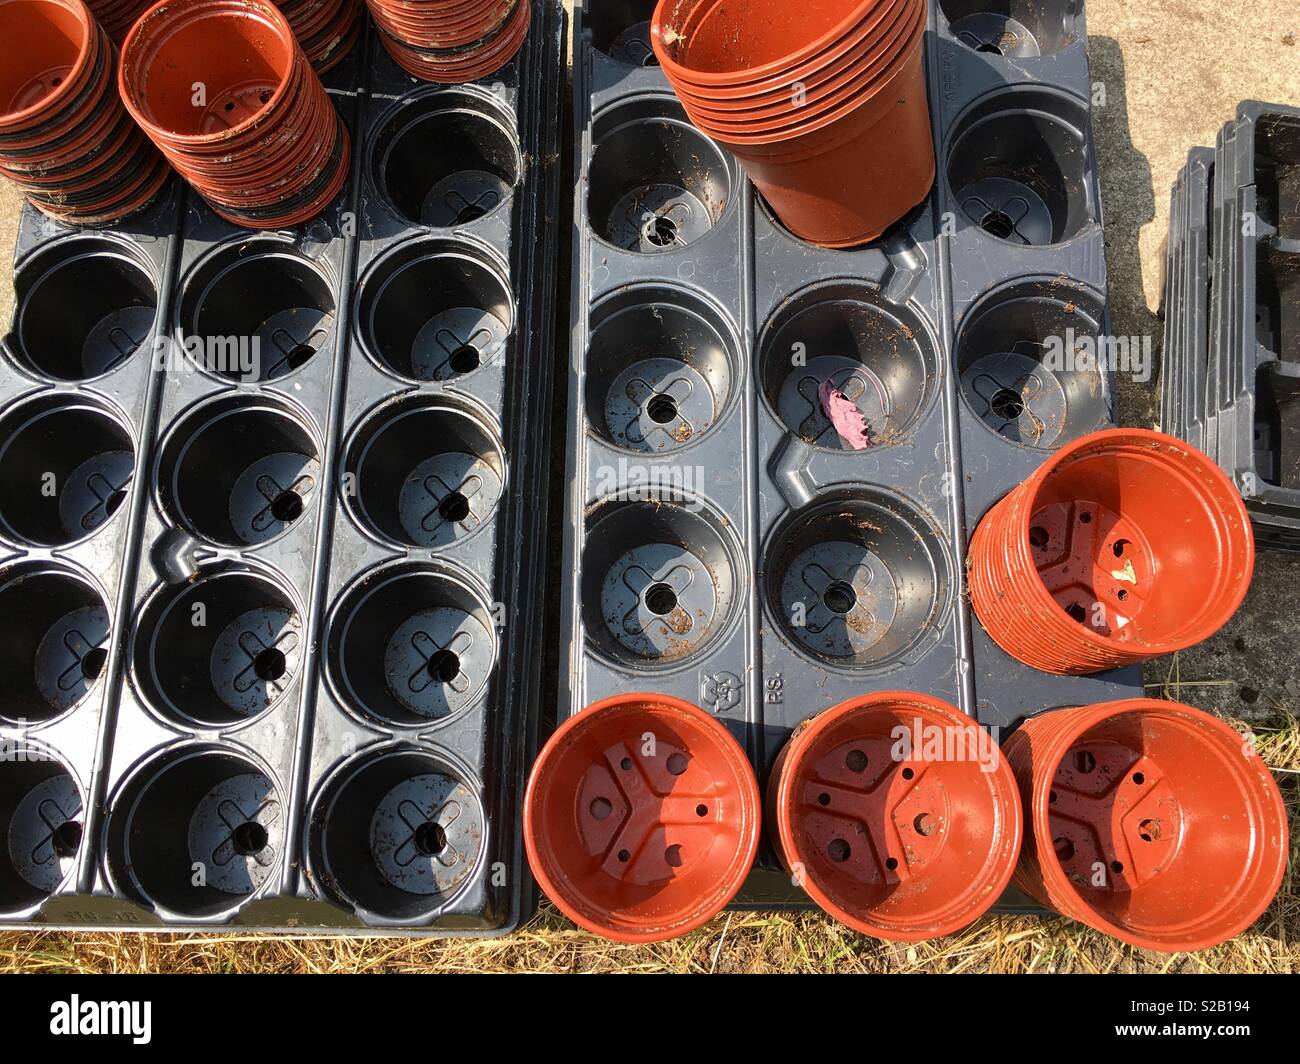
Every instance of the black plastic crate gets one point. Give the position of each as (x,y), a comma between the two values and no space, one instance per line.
(1241,362)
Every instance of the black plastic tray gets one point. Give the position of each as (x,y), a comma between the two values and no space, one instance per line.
(698,462)
(313,618)
(1240,364)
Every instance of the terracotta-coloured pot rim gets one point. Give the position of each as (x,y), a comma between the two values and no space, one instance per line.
(140,50)
(87,48)
(1083,719)
(504,37)
(779,68)
(1005,793)
(858,84)
(433,29)
(428,67)
(910,66)
(847,56)
(742,777)
(1139,441)
(298,215)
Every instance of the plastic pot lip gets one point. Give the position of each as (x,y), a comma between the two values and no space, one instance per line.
(460,34)
(304,98)
(658,28)
(1138,441)
(742,777)
(1037,812)
(504,39)
(844,55)
(861,84)
(139,52)
(738,143)
(933,710)
(90,42)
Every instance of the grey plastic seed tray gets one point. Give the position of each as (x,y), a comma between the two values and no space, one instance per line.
(320,602)
(722,544)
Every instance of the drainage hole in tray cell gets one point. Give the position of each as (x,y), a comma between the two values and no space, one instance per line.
(233,667)
(1019,169)
(68,466)
(859,581)
(446,160)
(1015,30)
(621,30)
(51,661)
(429,473)
(412,647)
(659,580)
(193,807)
(655,184)
(85,306)
(396,834)
(436,310)
(40,817)
(1016,374)
(660,368)
(256,311)
(239,471)
(873,363)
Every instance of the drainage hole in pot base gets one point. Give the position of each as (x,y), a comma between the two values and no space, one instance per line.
(878,358)
(1016,29)
(197,830)
(662,363)
(1095,564)
(396,834)
(858,582)
(40,811)
(234,666)
(428,473)
(660,581)
(239,472)
(51,661)
(256,312)
(446,160)
(412,646)
(1024,364)
(861,782)
(655,184)
(68,466)
(1019,169)
(436,310)
(85,306)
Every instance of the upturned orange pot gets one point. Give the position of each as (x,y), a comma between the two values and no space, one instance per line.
(641,817)
(1148,820)
(1125,545)
(897,814)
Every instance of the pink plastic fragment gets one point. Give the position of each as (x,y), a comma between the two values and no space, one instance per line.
(844,415)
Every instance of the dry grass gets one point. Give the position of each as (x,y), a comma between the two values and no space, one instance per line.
(735,942)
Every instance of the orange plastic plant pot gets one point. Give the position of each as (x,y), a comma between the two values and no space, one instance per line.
(242,51)
(897,814)
(814,79)
(814,101)
(1125,545)
(1148,820)
(641,817)
(47,51)
(845,178)
(729,43)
